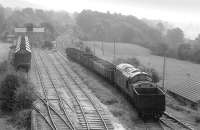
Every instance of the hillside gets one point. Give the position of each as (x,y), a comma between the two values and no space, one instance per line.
(110,27)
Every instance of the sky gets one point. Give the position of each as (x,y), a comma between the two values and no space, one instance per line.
(181,13)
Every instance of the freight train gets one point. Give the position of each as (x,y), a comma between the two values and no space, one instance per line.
(22,54)
(146,96)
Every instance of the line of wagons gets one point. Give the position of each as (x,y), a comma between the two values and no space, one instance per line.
(146,96)
(21,54)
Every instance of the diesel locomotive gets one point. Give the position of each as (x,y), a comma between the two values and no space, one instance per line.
(22,54)
(146,96)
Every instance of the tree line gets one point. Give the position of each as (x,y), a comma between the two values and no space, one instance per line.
(55,23)
(160,39)
(93,25)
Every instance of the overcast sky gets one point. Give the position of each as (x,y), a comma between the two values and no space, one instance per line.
(180,12)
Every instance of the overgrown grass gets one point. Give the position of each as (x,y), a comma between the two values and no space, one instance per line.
(18,94)
(22,119)
(3,67)
(197,119)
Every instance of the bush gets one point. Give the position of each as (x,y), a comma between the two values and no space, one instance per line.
(47,45)
(24,97)
(17,92)
(88,50)
(3,67)
(197,119)
(22,119)
(19,95)
(154,74)
(8,88)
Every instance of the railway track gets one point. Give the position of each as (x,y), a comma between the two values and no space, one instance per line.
(50,107)
(165,123)
(172,123)
(90,114)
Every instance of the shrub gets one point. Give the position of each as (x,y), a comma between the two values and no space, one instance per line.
(8,88)
(47,45)
(117,113)
(17,92)
(3,67)
(22,119)
(154,74)
(111,101)
(24,97)
(88,50)
(197,119)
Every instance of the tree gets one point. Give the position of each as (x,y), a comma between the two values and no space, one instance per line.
(155,75)
(8,88)
(161,27)
(174,37)
(49,34)
(196,56)
(161,49)
(2,19)
(184,51)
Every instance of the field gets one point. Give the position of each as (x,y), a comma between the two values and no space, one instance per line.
(181,76)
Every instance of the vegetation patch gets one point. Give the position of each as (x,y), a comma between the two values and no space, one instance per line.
(47,45)
(117,113)
(22,119)
(197,119)
(18,94)
(110,101)
(3,67)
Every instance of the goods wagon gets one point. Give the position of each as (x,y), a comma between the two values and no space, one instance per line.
(105,69)
(22,54)
(148,99)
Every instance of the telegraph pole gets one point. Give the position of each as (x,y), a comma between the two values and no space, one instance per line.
(114,52)
(94,48)
(102,48)
(164,62)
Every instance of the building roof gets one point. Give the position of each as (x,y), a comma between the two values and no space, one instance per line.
(189,90)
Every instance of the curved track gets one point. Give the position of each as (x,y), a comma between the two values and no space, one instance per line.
(166,122)
(90,114)
(52,106)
